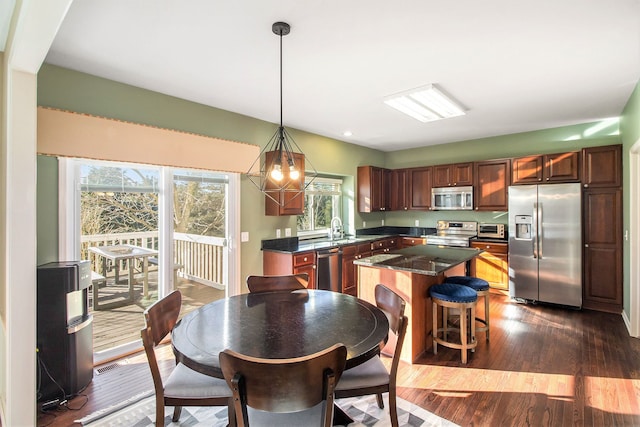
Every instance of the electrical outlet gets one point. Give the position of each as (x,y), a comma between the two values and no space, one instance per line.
(287,232)
(277,233)
(244,236)
(417,223)
(383,222)
(364,224)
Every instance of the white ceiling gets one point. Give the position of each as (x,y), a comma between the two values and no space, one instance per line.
(515,65)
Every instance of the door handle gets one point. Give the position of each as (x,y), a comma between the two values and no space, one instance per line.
(534,230)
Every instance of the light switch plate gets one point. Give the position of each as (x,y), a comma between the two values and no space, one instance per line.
(383,222)
(417,223)
(287,232)
(244,236)
(364,224)
(277,233)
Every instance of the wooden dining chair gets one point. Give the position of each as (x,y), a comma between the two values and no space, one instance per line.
(284,392)
(372,376)
(289,282)
(184,386)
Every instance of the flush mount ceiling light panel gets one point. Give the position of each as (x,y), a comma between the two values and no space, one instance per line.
(426,103)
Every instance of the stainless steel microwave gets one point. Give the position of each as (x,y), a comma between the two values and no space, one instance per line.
(452,198)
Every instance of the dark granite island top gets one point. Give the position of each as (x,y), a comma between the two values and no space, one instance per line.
(423,259)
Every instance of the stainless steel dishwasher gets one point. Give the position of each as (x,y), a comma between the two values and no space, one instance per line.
(329,269)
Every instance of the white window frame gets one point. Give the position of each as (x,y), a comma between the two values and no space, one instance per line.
(69,229)
(323,232)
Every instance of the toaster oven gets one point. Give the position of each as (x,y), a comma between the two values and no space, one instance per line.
(495,231)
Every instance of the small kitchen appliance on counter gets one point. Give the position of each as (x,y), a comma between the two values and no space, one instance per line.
(491,231)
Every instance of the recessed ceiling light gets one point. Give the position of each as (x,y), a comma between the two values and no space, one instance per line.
(426,103)
(347,133)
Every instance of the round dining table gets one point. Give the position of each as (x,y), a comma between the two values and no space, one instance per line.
(279,325)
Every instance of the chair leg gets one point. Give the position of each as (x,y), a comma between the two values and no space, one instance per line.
(159,412)
(380,401)
(393,409)
(434,328)
(231,414)
(177,410)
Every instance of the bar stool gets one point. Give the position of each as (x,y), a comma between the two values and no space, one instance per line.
(482,288)
(462,298)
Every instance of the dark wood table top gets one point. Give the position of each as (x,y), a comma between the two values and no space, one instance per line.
(279,325)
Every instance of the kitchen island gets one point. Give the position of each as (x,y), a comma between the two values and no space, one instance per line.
(410,272)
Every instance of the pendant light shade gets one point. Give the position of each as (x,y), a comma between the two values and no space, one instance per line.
(281,167)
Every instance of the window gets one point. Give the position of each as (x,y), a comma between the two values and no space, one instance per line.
(322,201)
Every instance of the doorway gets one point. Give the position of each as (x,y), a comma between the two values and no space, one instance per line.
(147,230)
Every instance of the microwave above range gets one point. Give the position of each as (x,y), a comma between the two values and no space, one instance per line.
(452,198)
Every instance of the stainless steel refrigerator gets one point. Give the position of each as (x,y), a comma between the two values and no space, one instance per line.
(545,249)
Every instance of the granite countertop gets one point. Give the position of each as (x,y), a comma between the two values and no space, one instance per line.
(293,245)
(423,259)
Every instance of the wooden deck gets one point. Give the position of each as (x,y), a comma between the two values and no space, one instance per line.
(121,325)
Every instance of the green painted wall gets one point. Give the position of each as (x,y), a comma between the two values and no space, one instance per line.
(630,129)
(74,91)
(70,90)
(47,210)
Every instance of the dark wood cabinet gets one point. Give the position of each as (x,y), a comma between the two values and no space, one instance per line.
(278,203)
(558,167)
(452,175)
(602,228)
(373,189)
(384,245)
(420,188)
(399,190)
(602,256)
(349,270)
(406,242)
(492,265)
(491,186)
(276,263)
(602,166)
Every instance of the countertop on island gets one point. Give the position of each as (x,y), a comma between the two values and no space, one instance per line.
(430,260)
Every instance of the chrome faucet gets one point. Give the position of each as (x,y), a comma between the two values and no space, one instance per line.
(335,229)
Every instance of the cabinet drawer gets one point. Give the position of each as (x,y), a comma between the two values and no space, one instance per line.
(304,258)
(412,241)
(496,248)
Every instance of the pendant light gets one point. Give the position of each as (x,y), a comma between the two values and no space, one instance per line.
(282,164)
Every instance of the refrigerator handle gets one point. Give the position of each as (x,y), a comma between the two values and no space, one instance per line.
(534,230)
(540,236)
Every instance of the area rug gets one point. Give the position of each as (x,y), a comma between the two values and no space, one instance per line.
(140,412)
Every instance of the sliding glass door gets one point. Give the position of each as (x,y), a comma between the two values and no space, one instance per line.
(146,231)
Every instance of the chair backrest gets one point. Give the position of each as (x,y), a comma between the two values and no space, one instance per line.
(393,306)
(159,319)
(284,385)
(290,282)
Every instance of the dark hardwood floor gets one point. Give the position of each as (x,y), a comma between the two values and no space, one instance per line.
(544,366)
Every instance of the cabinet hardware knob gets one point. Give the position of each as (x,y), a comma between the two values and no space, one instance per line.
(586,245)
(586,185)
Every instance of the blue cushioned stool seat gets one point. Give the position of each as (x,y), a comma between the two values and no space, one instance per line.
(475,283)
(463,300)
(453,293)
(481,286)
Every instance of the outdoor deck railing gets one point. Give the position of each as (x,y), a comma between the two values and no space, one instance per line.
(199,258)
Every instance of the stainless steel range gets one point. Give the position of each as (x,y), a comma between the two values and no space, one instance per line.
(453,233)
